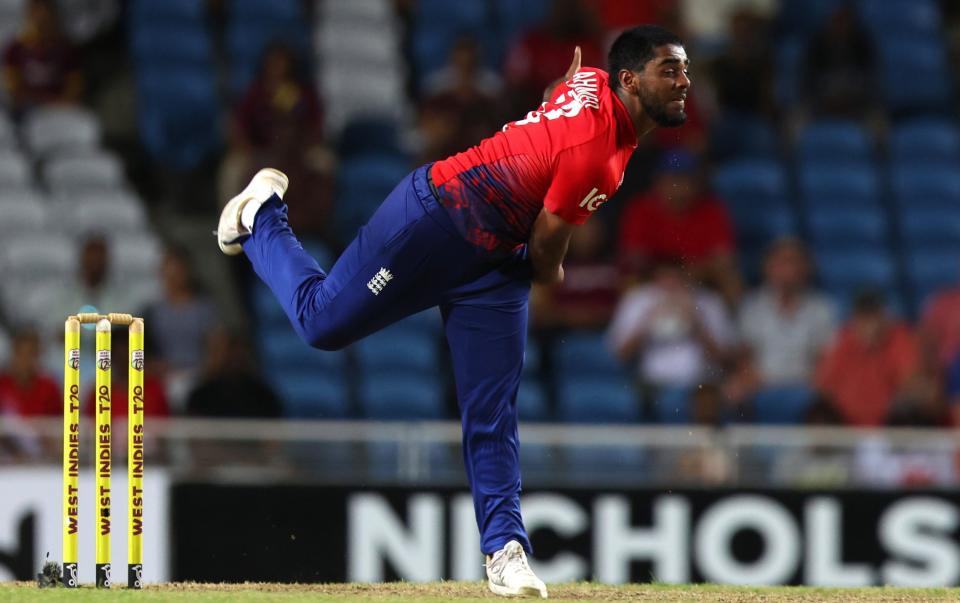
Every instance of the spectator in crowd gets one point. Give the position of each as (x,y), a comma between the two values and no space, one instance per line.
(25,390)
(678,333)
(536,59)
(677,218)
(839,73)
(154,394)
(940,328)
(870,362)
(230,386)
(93,290)
(743,74)
(461,104)
(588,294)
(40,65)
(953,390)
(784,326)
(178,326)
(279,122)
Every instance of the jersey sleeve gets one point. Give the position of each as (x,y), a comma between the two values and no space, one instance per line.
(579,183)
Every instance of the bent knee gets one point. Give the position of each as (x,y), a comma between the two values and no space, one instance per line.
(326,339)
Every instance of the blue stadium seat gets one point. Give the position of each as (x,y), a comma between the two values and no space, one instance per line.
(532,401)
(319,251)
(803,17)
(842,226)
(834,140)
(845,271)
(308,395)
(930,269)
(364,183)
(788,78)
(758,225)
(179,115)
(586,353)
(247,41)
(863,266)
(932,185)
(857,182)
(267,311)
(922,226)
(401,396)
(672,405)
(438,23)
(921,60)
(174,12)
(925,140)
(281,348)
(588,399)
(785,405)
(398,350)
(171,46)
(755,181)
(604,463)
(532,357)
(743,137)
(369,135)
(918,17)
(251,11)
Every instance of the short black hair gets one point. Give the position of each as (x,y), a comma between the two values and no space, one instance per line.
(634,47)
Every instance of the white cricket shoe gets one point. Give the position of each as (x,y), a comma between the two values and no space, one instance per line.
(231,230)
(509,574)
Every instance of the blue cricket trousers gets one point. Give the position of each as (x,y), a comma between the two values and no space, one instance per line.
(483,300)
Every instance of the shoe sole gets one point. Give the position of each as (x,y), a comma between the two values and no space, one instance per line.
(523,591)
(274,179)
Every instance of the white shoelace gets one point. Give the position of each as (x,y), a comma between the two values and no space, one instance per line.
(504,557)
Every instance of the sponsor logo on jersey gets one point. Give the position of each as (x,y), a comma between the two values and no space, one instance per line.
(379,281)
(593,201)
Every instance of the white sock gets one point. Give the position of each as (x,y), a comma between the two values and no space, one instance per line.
(249,213)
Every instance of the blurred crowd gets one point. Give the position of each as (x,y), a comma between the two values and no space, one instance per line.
(661,274)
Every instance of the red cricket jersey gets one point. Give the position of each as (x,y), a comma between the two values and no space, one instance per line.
(568,156)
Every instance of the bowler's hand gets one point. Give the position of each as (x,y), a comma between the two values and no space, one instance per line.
(571,71)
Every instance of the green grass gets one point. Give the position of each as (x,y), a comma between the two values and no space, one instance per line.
(466,592)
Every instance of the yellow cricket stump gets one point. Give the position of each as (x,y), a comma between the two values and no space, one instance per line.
(135,457)
(71,450)
(103,461)
(103,440)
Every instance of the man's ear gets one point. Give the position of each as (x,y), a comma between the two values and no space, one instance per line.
(628,80)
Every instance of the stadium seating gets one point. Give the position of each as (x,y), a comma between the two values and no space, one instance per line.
(58,129)
(925,140)
(586,353)
(392,349)
(842,225)
(14,171)
(307,395)
(836,140)
(402,396)
(598,399)
(672,405)
(743,137)
(532,401)
(782,405)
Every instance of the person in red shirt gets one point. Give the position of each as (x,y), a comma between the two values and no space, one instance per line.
(678,219)
(590,289)
(154,394)
(872,360)
(25,390)
(40,66)
(469,234)
(279,121)
(534,61)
